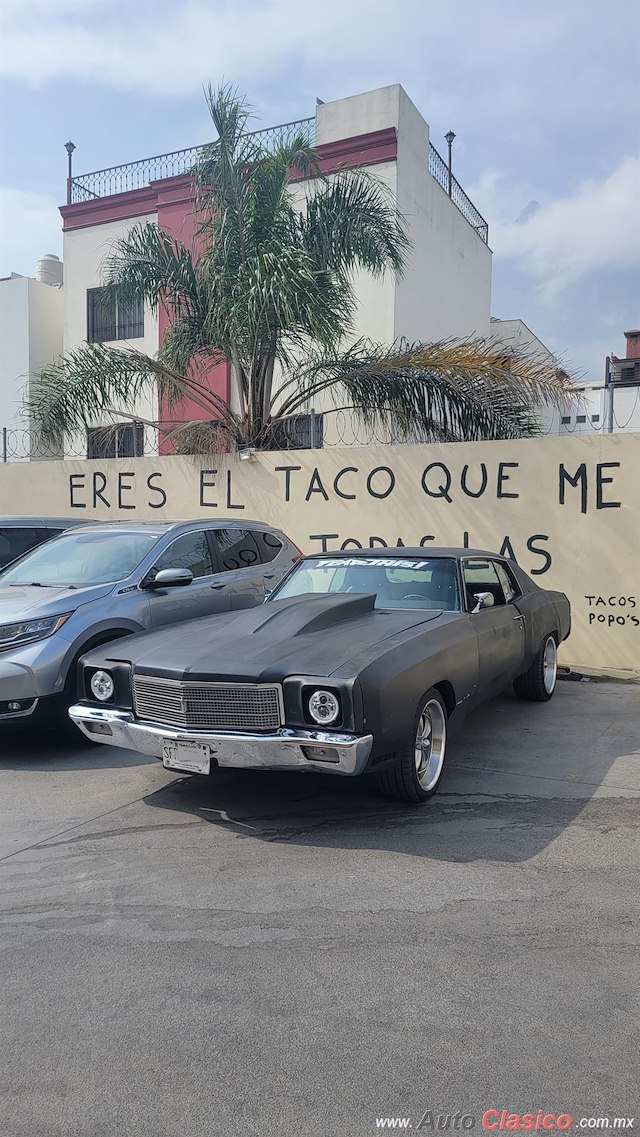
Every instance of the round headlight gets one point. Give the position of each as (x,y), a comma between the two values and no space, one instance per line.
(102,686)
(324,707)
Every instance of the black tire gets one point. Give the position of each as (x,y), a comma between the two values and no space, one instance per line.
(539,682)
(400,779)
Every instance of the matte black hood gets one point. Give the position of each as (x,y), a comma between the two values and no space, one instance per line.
(309,635)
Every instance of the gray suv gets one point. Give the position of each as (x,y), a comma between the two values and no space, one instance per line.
(99,582)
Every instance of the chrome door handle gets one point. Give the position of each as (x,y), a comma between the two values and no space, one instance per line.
(217,586)
(518,617)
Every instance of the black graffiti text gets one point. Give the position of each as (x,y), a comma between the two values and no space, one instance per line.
(509,547)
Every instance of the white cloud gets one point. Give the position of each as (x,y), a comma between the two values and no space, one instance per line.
(509,56)
(171,47)
(30,226)
(593,229)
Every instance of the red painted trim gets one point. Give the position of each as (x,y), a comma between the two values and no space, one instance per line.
(347,153)
(118,207)
(361,150)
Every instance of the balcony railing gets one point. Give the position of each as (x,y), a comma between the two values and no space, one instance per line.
(440,171)
(138,175)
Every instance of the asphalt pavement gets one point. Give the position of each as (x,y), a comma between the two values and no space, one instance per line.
(292,955)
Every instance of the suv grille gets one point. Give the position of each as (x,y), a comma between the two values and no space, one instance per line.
(208,706)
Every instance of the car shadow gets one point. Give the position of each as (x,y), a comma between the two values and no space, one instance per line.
(37,748)
(517,775)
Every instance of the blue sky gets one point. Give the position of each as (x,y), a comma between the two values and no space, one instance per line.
(544,98)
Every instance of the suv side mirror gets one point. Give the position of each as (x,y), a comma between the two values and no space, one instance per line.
(483,600)
(169,578)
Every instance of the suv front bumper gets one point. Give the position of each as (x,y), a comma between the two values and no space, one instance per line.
(285,749)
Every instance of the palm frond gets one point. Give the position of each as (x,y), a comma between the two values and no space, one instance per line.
(463,389)
(150,263)
(97,382)
(352,221)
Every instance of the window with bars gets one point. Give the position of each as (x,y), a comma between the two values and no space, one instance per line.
(300,432)
(123,442)
(108,318)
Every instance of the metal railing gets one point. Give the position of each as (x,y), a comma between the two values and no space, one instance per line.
(139,174)
(440,171)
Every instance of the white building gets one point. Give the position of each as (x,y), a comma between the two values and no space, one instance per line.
(31,315)
(517,335)
(445,291)
(600,407)
(610,406)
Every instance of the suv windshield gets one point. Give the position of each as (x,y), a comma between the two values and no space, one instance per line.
(396,582)
(81,559)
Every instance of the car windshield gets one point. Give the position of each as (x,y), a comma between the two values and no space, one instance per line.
(396,582)
(80,559)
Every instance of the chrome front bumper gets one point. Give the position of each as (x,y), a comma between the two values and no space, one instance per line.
(285,749)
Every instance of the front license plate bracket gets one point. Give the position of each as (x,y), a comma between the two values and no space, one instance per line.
(189,757)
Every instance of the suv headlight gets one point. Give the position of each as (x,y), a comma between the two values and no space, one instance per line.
(102,686)
(324,707)
(29,631)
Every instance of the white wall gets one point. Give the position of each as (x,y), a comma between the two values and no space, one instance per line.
(14,348)
(517,335)
(626,408)
(446,288)
(594,401)
(84,253)
(30,339)
(358,114)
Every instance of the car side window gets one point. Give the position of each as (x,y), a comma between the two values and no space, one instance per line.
(15,542)
(268,544)
(190,551)
(237,549)
(481,576)
(508,581)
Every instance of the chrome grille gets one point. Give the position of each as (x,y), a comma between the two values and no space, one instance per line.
(208,706)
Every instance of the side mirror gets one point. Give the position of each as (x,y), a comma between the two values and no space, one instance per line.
(483,600)
(169,578)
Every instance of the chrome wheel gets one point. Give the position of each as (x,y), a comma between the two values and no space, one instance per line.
(430,744)
(550,665)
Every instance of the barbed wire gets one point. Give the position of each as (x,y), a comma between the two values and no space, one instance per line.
(315,431)
(137,440)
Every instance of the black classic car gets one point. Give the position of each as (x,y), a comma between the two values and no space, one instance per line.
(357,663)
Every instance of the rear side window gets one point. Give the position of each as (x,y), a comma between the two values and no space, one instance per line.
(269,545)
(238,548)
(508,581)
(15,542)
(190,551)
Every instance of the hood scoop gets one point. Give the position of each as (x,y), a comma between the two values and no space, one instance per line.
(305,614)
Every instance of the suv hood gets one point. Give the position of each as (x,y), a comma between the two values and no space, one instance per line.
(29,602)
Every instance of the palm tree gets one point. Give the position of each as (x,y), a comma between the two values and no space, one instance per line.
(270,289)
